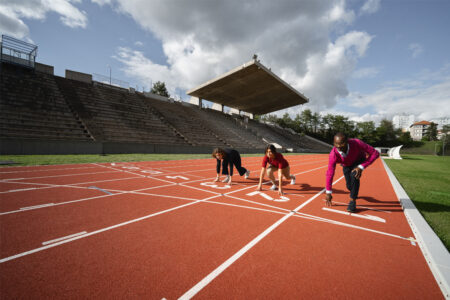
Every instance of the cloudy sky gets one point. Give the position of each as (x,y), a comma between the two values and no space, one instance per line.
(367,59)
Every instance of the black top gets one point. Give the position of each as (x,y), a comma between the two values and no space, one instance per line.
(231,157)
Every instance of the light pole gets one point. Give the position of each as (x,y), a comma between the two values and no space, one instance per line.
(109,74)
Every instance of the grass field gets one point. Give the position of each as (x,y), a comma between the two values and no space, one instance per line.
(29,160)
(426,179)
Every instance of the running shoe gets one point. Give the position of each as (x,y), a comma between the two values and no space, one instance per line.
(292,179)
(351,206)
(226,179)
(274,187)
(247,174)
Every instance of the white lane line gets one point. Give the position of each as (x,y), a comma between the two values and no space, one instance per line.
(64,238)
(320,219)
(99,189)
(11,179)
(267,182)
(361,216)
(365,207)
(75,185)
(48,170)
(37,206)
(19,190)
(9,258)
(211,276)
(66,175)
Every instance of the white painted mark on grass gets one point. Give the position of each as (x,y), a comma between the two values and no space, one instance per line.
(64,238)
(368,217)
(37,206)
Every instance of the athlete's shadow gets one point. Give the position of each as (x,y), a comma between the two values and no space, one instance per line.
(304,187)
(392,206)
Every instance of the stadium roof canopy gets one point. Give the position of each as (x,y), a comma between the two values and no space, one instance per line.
(251,88)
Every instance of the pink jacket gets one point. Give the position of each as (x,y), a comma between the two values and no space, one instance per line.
(359,151)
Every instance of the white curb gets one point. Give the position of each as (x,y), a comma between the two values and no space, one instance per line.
(434,251)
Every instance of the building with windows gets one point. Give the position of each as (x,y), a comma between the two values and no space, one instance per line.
(403,122)
(418,129)
(441,122)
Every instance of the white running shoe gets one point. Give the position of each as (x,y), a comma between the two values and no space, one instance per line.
(226,179)
(247,174)
(274,187)
(292,179)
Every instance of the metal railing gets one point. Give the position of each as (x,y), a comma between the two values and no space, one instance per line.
(18,52)
(110,81)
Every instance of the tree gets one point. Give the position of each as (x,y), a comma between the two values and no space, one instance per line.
(366,132)
(315,122)
(386,134)
(431,132)
(405,139)
(446,128)
(159,88)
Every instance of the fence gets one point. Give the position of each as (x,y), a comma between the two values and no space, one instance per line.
(111,81)
(18,52)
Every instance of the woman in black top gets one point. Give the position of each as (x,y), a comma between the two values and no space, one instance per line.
(228,157)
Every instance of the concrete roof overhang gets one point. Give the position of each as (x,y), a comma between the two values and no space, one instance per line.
(251,88)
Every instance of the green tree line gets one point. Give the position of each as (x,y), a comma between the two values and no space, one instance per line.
(326,126)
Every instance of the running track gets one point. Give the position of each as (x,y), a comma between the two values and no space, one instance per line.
(154,230)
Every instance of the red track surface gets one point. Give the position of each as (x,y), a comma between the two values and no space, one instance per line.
(154,230)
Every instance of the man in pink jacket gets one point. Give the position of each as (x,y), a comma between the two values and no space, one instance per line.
(354,156)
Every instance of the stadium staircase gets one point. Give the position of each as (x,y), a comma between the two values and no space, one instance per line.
(32,107)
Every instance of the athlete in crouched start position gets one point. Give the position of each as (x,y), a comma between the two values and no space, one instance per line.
(228,157)
(275,162)
(354,156)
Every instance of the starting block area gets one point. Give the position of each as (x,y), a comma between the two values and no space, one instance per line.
(165,230)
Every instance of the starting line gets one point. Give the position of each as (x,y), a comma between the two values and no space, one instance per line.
(367,217)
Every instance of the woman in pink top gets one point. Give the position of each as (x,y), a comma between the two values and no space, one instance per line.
(276,161)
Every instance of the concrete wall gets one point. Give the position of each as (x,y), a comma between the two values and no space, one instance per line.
(79,76)
(33,147)
(47,69)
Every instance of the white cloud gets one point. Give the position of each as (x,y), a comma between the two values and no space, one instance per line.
(139,43)
(13,12)
(101,2)
(370,7)
(366,73)
(209,38)
(416,49)
(11,25)
(417,95)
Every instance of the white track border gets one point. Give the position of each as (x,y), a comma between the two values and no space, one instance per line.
(434,251)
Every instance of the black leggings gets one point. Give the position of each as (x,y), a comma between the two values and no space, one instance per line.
(238,166)
(351,181)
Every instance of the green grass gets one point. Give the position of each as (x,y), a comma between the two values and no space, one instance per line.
(29,160)
(426,148)
(426,179)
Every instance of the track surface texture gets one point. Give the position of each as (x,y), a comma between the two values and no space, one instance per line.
(154,230)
